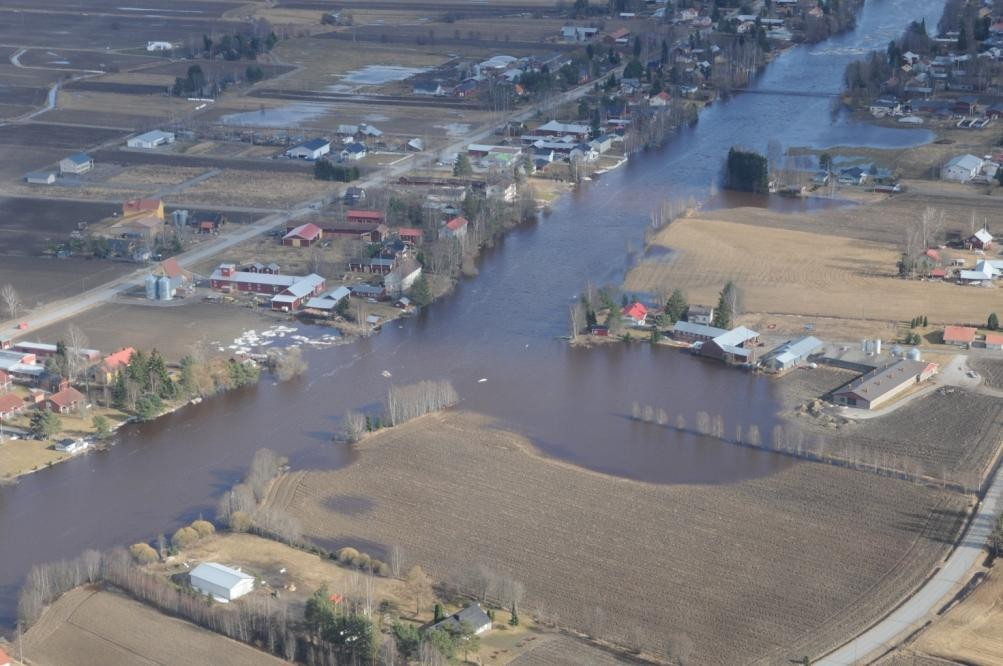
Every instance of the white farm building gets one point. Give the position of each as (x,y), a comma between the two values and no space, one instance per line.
(150,139)
(962,168)
(313,149)
(223,583)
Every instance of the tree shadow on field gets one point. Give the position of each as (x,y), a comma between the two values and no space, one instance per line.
(938,525)
(350,505)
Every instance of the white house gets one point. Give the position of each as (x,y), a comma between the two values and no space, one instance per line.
(313,149)
(223,583)
(576,33)
(962,168)
(353,151)
(70,445)
(150,139)
(78,163)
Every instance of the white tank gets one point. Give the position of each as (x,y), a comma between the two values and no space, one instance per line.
(151,287)
(164,290)
(865,346)
(914,354)
(877,346)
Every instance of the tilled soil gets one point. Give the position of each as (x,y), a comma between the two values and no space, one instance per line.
(751,572)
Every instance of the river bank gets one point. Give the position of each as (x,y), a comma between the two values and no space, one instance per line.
(500,326)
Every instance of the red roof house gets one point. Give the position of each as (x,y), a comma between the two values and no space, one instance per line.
(11,404)
(409,235)
(932,255)
(938,273)
(456,227)
(636,312)
(959,335)
(64,401)
(363,216)
(304,235)
(105,371)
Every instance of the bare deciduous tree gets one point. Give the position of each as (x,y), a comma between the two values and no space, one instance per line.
(76,341)
(408,402)
(11,301)
(703,423)
(353,425)
(287,363)
(396,560)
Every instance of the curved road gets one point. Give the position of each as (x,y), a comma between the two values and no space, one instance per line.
(923,604)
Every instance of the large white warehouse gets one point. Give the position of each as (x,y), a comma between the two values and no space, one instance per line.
(223,583)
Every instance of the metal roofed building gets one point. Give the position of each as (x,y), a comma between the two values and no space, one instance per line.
(687,331)
(222,582)
(473,615)
(792,352)
(734,346)
(150,139)
(880,385)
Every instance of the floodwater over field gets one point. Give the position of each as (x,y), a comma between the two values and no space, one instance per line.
(287,115)
(374,75)
(500,326)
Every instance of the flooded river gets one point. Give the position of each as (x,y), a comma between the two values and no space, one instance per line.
(500,326)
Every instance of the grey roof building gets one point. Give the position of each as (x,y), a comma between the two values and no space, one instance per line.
(473,615)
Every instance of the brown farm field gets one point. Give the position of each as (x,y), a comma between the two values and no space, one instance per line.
(787,272)
(713,562)
(953,435)
(92,627)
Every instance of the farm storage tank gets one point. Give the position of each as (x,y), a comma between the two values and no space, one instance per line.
(914,354)
(151,287)
(877,347)
(164,290)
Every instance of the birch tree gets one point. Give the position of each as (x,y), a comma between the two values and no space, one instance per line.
(11,301)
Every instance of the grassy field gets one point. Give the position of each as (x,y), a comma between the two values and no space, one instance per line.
(87,627)
(172,330)
(787,272)
(967,634)
(713,562)
(922,161)
(266,558)
(253,189)
(20,456)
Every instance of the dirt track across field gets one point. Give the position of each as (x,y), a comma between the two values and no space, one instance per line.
(754,571)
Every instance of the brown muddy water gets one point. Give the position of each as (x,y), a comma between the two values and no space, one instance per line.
(500,326)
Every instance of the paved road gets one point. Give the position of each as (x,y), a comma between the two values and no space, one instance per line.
(921,606)
(60,310)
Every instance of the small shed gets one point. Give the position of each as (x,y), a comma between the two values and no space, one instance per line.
(223,583)
(40,177)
